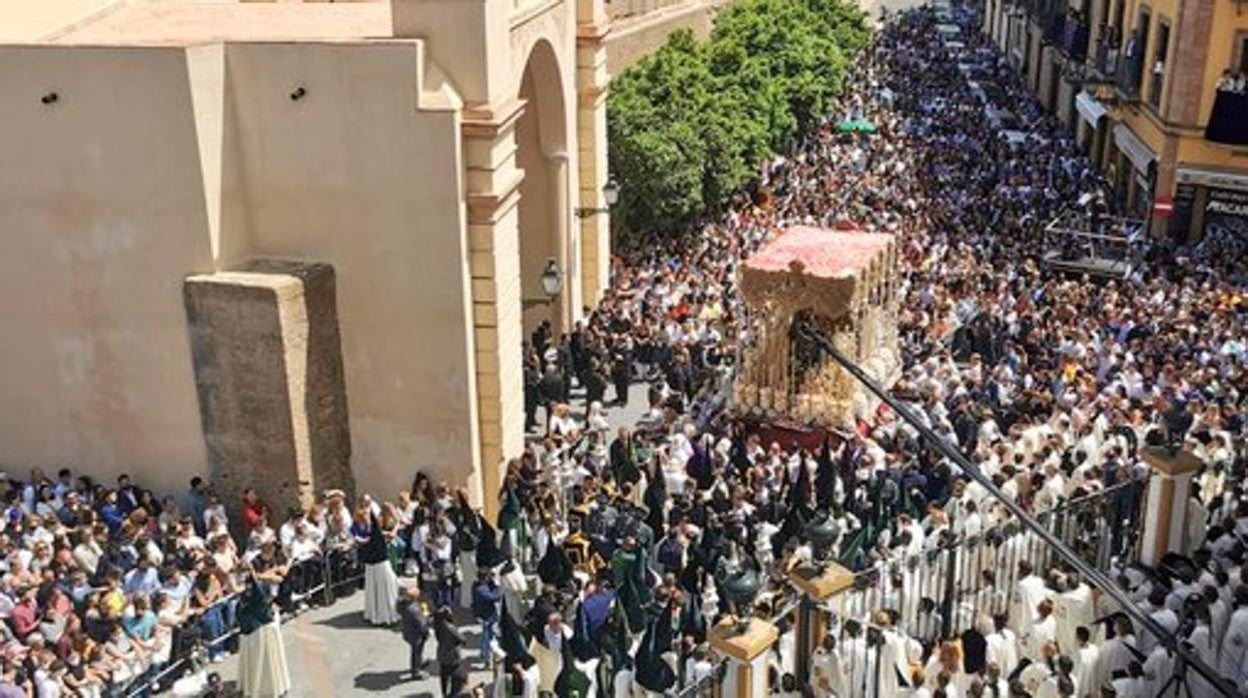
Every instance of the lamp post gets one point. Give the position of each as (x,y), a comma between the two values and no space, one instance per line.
(610,194)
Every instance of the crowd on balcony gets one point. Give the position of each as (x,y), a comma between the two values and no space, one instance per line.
(1232,82)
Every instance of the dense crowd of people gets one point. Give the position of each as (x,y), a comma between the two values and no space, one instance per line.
(104,587)
(1051,383)
(615,549)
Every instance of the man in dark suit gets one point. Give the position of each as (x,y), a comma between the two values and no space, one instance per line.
(415,630)
(551,390)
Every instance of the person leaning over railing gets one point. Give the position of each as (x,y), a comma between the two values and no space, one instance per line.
(207,591)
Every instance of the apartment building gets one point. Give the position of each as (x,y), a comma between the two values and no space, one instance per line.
(1153,90)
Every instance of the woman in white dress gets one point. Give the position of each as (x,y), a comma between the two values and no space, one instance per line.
(262,670)
(381,586)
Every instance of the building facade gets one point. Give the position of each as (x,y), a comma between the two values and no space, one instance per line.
(1137,84)
(294,246)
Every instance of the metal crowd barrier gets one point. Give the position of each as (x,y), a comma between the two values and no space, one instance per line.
(187,656)
(1103,527)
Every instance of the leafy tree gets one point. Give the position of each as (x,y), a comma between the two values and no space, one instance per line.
(689,124)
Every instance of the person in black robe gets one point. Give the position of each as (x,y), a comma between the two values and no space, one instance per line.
(532,392)
(595,381)
(544,605)
(621,376)
(488,554)
(555,568)
(653,673)
(514,642)
(450,639)
(571,681)
(974,650)
(551,390)
(655,498)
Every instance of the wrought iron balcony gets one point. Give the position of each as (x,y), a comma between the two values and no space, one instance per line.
(1130,72)
(1228,120)
(1074,38)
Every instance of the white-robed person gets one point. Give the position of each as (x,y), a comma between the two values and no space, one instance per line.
(1043,632)
(1002,646)
(1075,608)
(262,669)
(826,669)
(547,649)
(894,658)
(1201,642)
(1029,591)
(1235,642)
(381,585)
(1085,657)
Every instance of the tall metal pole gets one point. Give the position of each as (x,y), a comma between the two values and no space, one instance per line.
(1089,572)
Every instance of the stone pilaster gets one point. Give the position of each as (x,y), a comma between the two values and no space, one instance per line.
(591,137)
(817,587)
(747,656)
(268,368)
(1187,77)
(1166,509)
(493,195)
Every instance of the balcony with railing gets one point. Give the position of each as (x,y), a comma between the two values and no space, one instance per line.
(1130,74)
(1228,119)
(1104,63)
(1155,83)
(1074,38)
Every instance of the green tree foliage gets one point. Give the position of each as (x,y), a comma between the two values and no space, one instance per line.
(690,123)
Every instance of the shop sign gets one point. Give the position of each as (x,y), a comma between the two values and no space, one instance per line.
(1227,203)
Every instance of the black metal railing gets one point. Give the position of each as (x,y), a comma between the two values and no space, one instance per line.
(1228,119)
(195,639)
(1105,59)
(1074,39)
(1053,545)
(938,593)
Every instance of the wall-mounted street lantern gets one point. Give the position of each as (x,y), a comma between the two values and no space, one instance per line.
(610,194)
(552,278)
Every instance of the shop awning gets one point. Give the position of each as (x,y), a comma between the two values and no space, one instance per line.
(1211,177)
(1090,108)
(1135,149)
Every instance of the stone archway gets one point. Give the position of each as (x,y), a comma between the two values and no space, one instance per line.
(544,209)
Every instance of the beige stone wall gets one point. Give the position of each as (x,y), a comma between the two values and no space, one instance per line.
(103,214)
(357,175)
(155,163)
(634,36)
(396,164)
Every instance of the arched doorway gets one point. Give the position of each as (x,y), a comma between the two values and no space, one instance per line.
(544,208)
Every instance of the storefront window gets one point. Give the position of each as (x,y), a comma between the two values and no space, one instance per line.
(1226,213)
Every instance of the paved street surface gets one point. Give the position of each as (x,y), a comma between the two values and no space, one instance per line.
(334,652)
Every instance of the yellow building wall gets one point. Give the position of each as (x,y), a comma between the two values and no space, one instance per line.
(1189,145)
